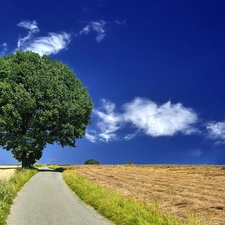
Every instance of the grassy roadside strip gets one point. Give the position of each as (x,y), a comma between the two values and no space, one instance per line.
(9,189)
(118,209)
(53,167)
(38,165)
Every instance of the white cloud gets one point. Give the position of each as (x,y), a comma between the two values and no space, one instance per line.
(32,27)
(91,136)
(50,44)
(107,136)
(85,30)
(129,136)
(108,121)
(29,25)
(146,116)
(98,27)
(160,120)
(55,42)
(5,48)
(100,37)
(196,152)
(216,131)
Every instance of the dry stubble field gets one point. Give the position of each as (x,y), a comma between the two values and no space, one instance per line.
(6,172)
(180,190)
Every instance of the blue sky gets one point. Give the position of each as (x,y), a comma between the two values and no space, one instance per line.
(154,69)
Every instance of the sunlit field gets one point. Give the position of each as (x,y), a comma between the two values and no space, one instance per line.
(183,191)
(7,171)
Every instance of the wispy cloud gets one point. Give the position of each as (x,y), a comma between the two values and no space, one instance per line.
(54,42)
(216,131)
(120,22)
(50,44)
(129,136)
(85,30)
(4,48)
(32,26)
(99,27)
(91,135)
(108,122)
(32,29)
(196,153)
(145,116)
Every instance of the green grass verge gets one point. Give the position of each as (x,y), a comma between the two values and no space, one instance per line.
(53,166)
(9,189)
(38,165)
(120,210)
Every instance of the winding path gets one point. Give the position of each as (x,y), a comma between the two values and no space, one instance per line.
(47,200)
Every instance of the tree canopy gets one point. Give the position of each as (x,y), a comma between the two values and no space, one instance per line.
(91,162)
(42,102)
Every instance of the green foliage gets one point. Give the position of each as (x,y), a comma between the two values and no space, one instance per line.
(91,162)
(38,165)
(129,163)
(9,189)
(57,168)
(53,166)
(120,210)
(42,102)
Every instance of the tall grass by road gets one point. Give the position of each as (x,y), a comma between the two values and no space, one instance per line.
(9,189)
(120,210)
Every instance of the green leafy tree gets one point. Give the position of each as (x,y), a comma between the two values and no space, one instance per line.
(91,162)
(42,102)
(129,163)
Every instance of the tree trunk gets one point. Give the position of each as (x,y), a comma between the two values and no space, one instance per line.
(24,160)
(27,161)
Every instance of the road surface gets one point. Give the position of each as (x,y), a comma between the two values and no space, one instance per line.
(47,200)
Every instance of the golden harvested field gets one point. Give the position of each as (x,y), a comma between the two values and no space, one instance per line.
(180,190)
(6,172)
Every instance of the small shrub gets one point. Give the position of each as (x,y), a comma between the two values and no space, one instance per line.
(53,166)
(91,162)
(129,163)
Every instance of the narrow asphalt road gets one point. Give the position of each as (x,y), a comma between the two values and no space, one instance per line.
(47,200)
